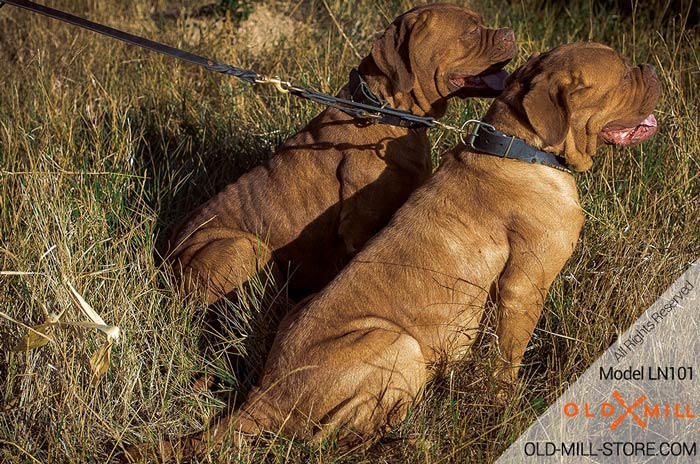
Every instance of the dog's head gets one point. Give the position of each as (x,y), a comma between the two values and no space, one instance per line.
(438,51)
(578,96)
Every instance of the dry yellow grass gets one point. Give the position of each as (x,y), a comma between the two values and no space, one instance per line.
(104,146)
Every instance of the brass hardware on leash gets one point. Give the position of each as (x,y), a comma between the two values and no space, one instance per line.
(457,130)
(280,85)
(462,131)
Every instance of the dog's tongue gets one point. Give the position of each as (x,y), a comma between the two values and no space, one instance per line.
(495,81)
(650,121)
(631,135)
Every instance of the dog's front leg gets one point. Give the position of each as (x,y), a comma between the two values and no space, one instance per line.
(522,289)
(520,300)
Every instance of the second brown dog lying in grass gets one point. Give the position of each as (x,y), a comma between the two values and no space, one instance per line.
(354,358)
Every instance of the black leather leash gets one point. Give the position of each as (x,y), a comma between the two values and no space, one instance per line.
(248,76)
(382,114)
(364,104)
(485,138)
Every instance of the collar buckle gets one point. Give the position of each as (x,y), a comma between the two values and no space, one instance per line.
(474,132)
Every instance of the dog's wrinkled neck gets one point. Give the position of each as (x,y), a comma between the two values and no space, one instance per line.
(415,101)
(506,118)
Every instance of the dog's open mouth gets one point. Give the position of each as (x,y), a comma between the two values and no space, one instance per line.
(487,84)
(619,135)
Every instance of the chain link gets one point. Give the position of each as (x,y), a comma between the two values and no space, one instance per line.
(461,131)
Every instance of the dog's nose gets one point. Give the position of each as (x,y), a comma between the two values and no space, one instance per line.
(649,70)
(507,36)
(652,81)
(504,39)
(649,73)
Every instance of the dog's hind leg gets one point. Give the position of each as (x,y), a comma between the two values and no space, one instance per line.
(363,388)
(236,272)
(379,389)
(220,261)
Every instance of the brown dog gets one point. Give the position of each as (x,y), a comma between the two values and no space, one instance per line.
(352,360)
(338,181)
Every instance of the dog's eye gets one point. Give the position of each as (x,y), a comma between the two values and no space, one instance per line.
(627,78)
(471,32)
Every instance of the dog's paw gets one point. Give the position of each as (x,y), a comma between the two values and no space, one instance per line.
(504,393)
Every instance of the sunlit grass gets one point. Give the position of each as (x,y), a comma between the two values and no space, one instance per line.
(104,147)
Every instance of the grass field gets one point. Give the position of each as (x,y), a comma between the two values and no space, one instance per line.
(103,147)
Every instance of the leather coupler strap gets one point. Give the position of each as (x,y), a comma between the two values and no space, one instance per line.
(487,139)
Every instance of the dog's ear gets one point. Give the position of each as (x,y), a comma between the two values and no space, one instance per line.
(393,52)
(546,107)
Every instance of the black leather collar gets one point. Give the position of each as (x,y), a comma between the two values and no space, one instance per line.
(361,93)
(485,138)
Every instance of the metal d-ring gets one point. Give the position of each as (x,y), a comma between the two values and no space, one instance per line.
(475,131)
